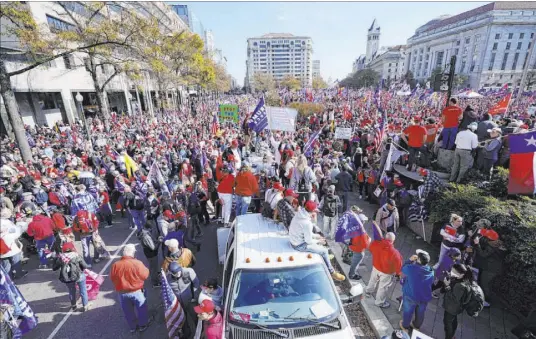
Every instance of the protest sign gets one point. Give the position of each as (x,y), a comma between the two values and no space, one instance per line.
(228,112)
(343,133)
(281,119)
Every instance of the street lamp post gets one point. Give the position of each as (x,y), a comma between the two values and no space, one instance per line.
(79,99)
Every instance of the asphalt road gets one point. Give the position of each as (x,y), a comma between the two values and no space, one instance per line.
(49,298)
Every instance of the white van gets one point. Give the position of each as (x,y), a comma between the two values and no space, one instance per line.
(274,291)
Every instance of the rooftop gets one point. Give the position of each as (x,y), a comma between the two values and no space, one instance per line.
(279,35)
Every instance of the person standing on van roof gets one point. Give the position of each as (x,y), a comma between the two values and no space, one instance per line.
(245,187)
(303,239)
(386,261)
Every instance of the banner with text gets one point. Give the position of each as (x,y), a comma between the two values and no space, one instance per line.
(343,133)
(228,112)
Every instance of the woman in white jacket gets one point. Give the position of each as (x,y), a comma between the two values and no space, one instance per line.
(10,246)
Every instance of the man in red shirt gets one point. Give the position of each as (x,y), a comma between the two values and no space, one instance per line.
(415,136)
(450,117)
(386,262)
(213,320)
(41,228)
(128,276)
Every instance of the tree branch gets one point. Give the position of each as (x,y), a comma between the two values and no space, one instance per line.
(116,72)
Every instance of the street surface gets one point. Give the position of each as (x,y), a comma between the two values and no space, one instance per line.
(50,301)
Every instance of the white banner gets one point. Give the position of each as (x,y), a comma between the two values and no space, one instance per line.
(343,133)
(281,119)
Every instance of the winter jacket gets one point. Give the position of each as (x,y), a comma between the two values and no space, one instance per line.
(456,297)
(329,205)
(418,281)
(344,181)
(84,201)
(246,184)
(216,296)
(226,184)
(10,234)
(150,253)
(301,229)
(66,258)
(181,286)
(308,177)
(213,327)
(86,225)
(385,258)
(41,227)
(469,116)
(385,218)
(128,274)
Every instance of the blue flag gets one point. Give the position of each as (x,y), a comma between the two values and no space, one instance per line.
(259,120)
(307,148)
(21,311)
(348,227)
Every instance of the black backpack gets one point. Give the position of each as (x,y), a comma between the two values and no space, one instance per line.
(69,272)
(194,205)
(330,206)
(476,303)
(146,240)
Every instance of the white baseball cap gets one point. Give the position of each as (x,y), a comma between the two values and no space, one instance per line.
(173,243)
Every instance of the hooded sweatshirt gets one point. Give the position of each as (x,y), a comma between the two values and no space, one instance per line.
(418,283)
(41,227)
(385,258)
(301,229)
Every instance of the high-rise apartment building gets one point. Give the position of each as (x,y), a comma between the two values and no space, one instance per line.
(280,55)
(188,16)
(316,69)
(209,41)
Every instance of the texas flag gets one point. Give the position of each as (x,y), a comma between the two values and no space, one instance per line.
(522,163)
(502,106)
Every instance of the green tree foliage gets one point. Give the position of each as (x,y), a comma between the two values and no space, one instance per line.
(362,78)
(263,82)
(319,83)
(291,83)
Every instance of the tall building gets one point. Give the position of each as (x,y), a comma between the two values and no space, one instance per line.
(195,25)
(316,69)
(209,41)
(280,55)
(491,43)
(47,93)
(373,41)
(389,62)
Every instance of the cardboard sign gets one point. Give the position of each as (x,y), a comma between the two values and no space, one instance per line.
(228,112)
(343,133)
(281,119)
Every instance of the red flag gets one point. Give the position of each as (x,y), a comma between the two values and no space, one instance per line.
(502,106)
(347,114)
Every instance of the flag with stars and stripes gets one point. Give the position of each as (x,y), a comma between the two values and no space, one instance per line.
(378,137)
(174,314)
(215,125)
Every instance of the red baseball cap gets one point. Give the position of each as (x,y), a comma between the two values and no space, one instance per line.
(290,193)
(68,246)
(168,214)
(234,143)
(310,206)
(490,234)
(206,306)
(278,186)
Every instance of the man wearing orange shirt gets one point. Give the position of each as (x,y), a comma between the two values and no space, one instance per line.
(450,117)
(415,136)
(246,186)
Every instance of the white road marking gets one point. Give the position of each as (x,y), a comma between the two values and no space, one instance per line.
(114,256)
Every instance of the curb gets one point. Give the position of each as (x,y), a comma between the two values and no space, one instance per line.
(375,316)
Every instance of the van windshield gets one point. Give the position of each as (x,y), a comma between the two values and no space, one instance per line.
(281,296)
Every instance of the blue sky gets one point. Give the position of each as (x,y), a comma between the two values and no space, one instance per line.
(338,29)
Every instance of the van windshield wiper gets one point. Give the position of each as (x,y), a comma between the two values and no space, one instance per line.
(266,329)
(324,323)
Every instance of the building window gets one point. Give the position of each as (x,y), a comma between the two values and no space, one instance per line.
(497,36)
(467,40)
(456,51)
(531,35)
(526,59)
(514,64)
(495,45)
(521,35)
(68,61)
(505,59)
(508,44)
(528,47)
(458,43)
(57,25)
(510,36)
(519,45)
(46,101)
(491,62)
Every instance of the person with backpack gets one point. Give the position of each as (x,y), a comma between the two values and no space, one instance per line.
(136,205)
(387,217)
(149,242)
(41,228)
(71,267)
(461,293)
(303,179)
(87,224)
(194,211)
(329,207)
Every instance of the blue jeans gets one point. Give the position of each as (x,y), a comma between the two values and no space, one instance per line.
(242,205)
(86,241)
(411,307)
(448,136)
(132,303)
(357,259)
(12,264)
(82,288)
(139,218)
(318,249)
(41,244)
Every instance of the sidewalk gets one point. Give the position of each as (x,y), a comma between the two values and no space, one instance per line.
(494,322)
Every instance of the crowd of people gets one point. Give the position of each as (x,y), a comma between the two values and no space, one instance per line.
(172,174)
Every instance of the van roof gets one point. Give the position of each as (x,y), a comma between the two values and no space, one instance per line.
(258,239)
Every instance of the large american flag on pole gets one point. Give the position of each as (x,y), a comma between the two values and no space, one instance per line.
(174,314)
(381,129)
(215,124)
(307,148)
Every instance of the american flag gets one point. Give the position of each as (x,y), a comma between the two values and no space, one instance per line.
(381,130)
(215,125)
(174,313)
(307,148)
